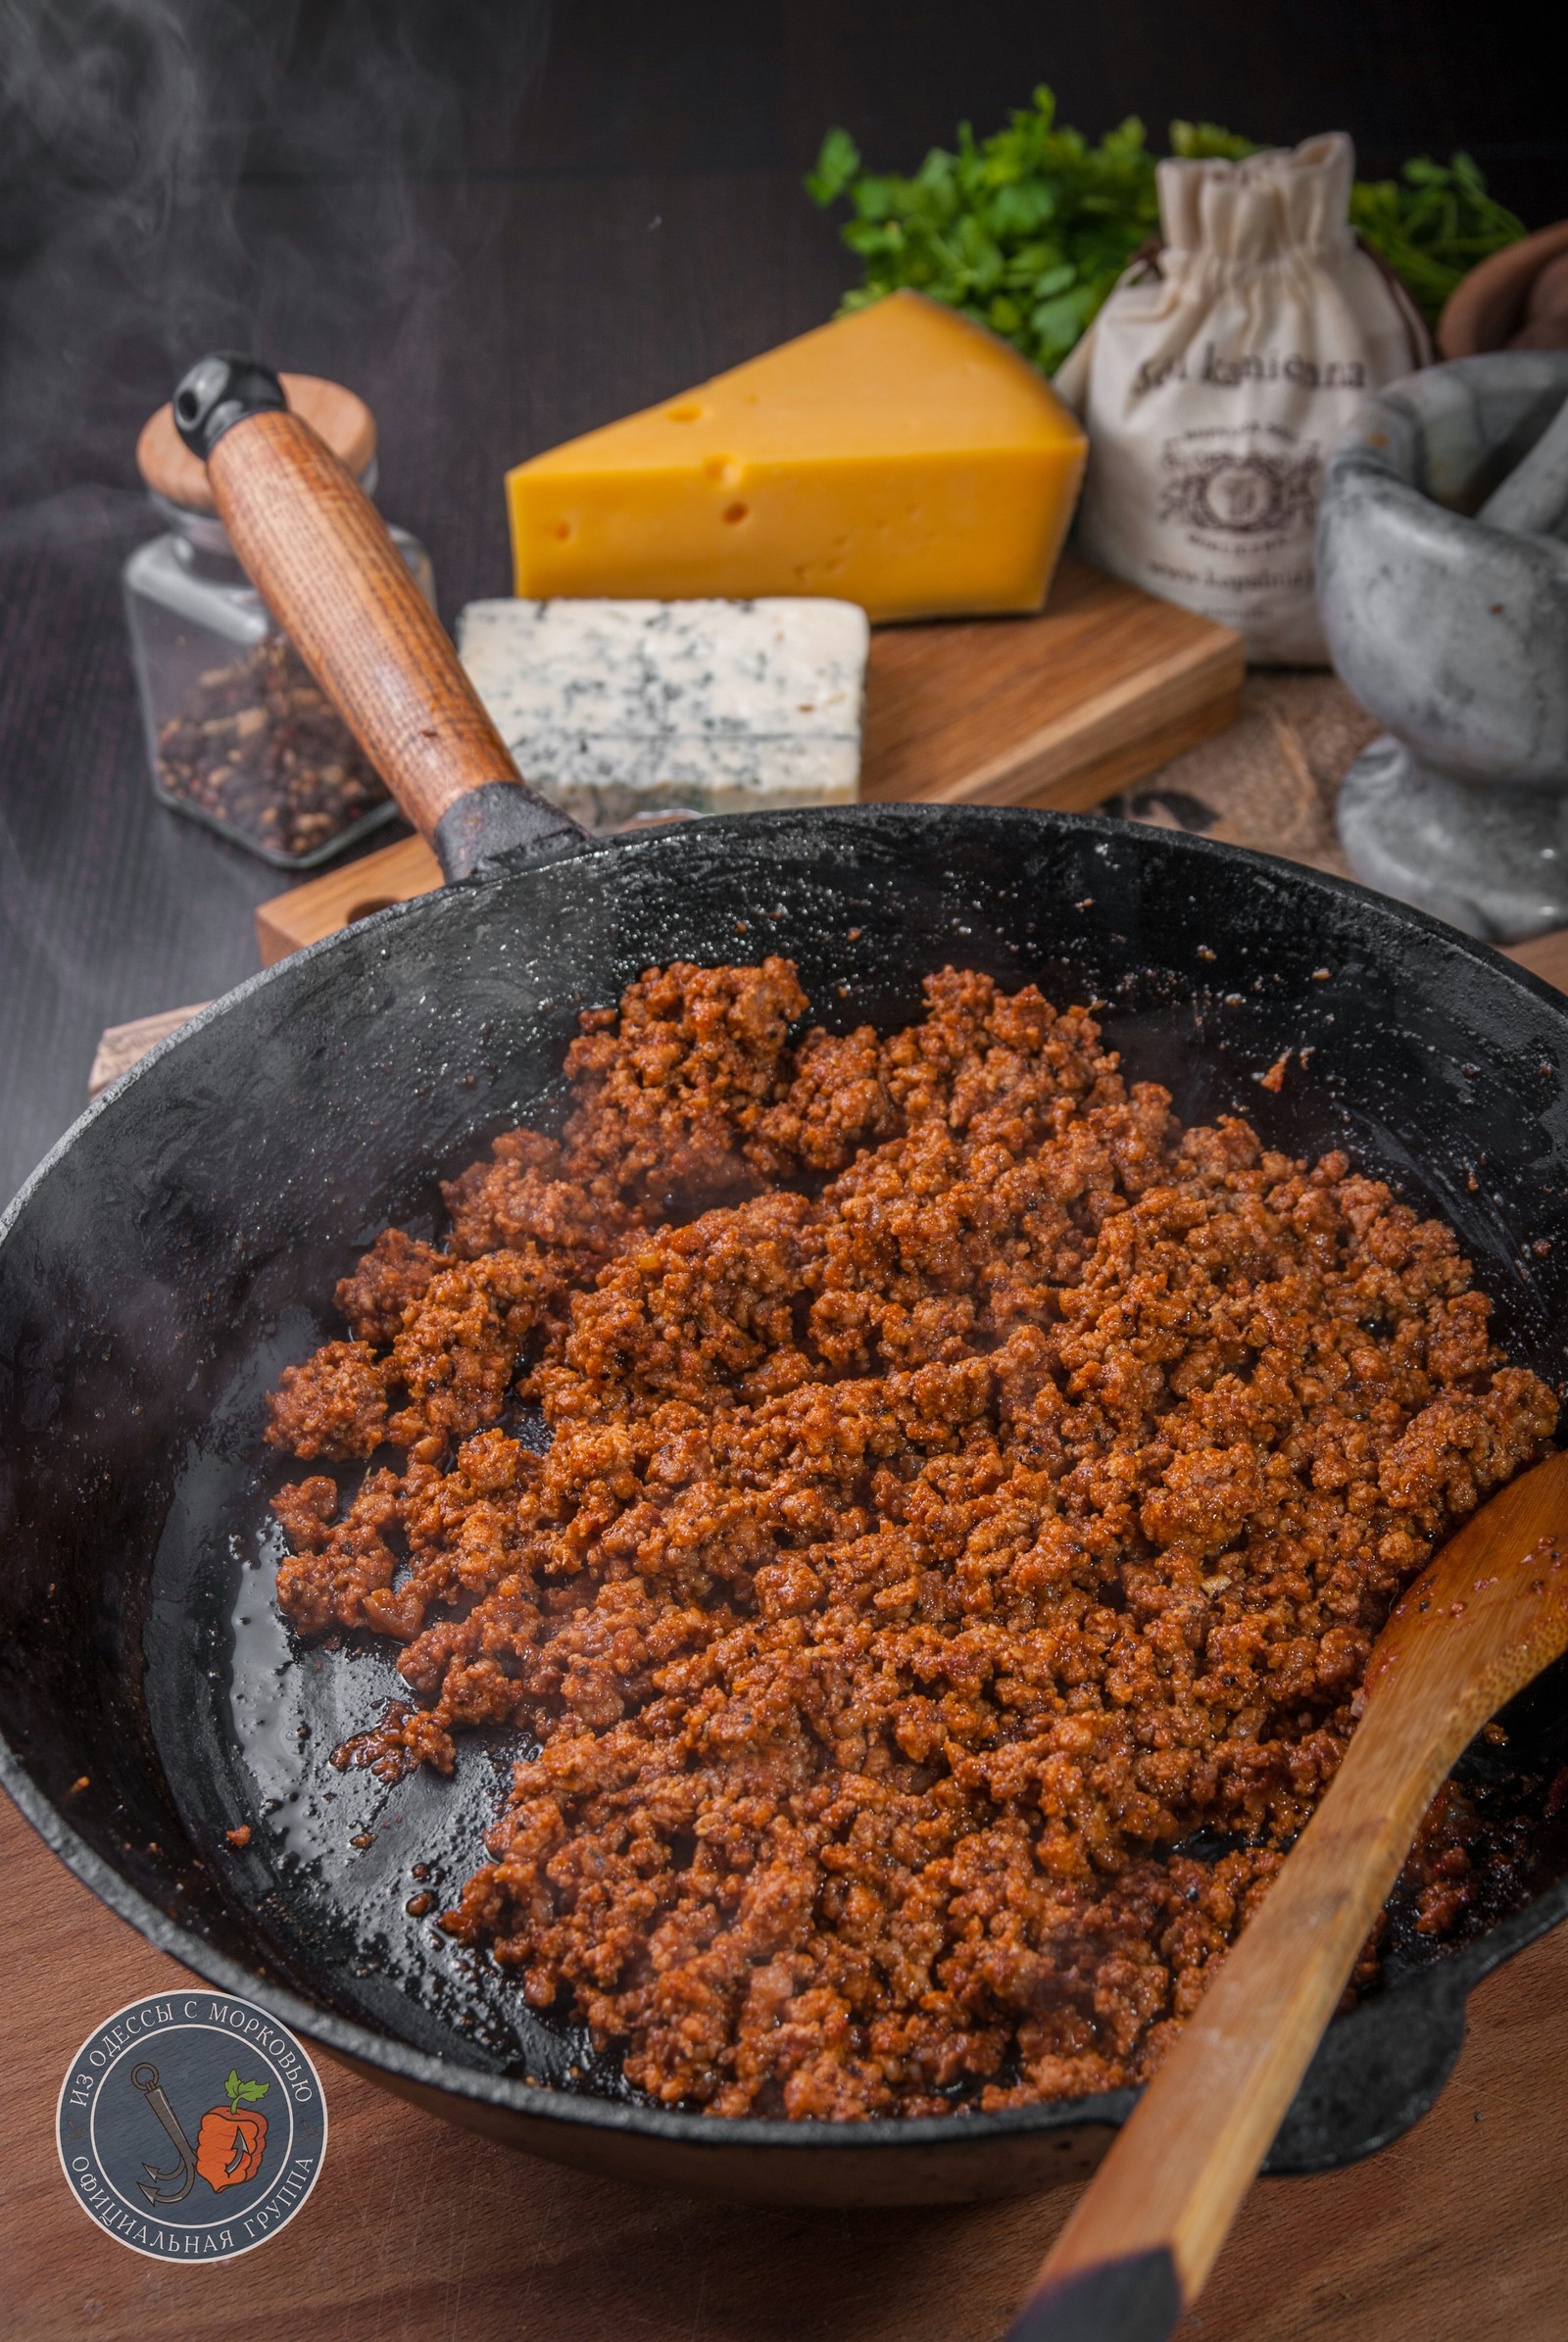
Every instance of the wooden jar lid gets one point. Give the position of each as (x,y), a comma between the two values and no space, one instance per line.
(342,419)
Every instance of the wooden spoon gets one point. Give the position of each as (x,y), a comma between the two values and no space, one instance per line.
(1488,1615)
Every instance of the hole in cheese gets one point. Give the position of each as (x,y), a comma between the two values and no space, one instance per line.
(736,513)
(562,530)
(683,414)
(724,469)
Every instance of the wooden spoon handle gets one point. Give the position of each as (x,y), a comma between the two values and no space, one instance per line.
(323,560)
(1169,2188)
(1480,1622)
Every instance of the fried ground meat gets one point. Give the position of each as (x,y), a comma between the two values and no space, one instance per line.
(334,1404)
(966,1488)
(394,1271)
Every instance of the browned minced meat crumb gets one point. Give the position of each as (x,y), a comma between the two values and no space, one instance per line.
(334,1404)
(965,1485)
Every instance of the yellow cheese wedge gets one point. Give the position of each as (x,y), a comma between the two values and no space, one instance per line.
(899,458)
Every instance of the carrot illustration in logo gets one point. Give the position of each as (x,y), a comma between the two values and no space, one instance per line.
(232,2140)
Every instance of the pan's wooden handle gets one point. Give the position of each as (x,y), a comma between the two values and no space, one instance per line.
(322,559)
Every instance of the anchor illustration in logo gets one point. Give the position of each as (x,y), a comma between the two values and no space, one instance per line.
(230,2145)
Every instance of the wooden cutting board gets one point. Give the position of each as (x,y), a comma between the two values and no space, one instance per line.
(1104,687)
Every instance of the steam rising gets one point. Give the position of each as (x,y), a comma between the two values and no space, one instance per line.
(179,174)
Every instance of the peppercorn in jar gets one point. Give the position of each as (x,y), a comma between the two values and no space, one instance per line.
(239,735)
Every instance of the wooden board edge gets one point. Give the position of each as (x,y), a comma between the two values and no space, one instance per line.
(1058,764)
(302,916)
(1544,955)
(1084,788)
(120,1047)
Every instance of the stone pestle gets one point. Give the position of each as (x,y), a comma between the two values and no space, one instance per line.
(1533,501)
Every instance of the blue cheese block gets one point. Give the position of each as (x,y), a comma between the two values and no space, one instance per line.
(616,709)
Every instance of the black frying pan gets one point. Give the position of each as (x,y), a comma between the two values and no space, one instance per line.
(177,1248)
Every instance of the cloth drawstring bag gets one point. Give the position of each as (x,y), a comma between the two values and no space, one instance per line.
(1217,377)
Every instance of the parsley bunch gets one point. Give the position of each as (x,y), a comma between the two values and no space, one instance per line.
(1028,230)
(1431,225)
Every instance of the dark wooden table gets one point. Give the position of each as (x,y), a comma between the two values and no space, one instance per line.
(500,247)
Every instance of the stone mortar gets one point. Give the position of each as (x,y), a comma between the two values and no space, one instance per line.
(1455,634)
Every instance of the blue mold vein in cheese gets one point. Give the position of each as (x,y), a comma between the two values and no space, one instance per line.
(616,709)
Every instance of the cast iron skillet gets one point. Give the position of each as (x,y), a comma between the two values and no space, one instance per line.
(180,1244)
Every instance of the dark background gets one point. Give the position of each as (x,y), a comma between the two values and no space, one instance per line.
(502,224)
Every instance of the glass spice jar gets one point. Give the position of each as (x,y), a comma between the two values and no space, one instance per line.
(239,735)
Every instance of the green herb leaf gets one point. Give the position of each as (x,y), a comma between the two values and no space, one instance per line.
(966,229)
(1431,225)
(1055,280)
(1197,141)
(835,166)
